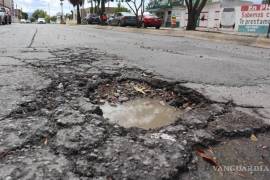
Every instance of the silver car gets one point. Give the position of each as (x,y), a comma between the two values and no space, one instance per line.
(2,15)
(5,15)
(124,19)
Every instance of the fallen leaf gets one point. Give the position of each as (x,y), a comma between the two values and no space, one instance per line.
(241,174)
(253,138)
(162,103)
(141,90)
(46,141)
(207,158)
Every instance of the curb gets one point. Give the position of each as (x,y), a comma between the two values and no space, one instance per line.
(246,40)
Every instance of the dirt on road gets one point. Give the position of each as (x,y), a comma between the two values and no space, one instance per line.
(62,132)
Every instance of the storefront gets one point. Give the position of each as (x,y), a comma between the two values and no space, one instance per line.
(167,10)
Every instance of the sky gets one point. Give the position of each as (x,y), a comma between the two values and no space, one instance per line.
(51,6)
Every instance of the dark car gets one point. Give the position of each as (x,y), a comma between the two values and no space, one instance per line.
(124,19)
(6,15)
(150,20)
(92,19)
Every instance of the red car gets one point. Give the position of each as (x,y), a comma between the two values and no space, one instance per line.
(150,20)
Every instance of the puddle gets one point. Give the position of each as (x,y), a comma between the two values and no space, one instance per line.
(142,113)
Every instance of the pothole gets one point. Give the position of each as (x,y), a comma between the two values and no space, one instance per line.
(143,113)
(131,103)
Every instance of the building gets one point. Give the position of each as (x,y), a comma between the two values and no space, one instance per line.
(8,4)
(215,14)
(166,9)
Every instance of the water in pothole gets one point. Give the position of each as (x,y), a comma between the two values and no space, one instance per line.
(142,113)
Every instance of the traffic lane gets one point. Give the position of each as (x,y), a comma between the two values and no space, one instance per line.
(204,65)
(16,35)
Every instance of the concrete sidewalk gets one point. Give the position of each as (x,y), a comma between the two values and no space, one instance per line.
(229,37)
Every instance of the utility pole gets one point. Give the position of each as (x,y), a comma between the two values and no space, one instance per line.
(62,12)
(268,31)
(49,12)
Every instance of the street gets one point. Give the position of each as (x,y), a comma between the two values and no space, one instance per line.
(52,79)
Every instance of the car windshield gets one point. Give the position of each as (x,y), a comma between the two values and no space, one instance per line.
(127,14)
(147,14)
(2,10)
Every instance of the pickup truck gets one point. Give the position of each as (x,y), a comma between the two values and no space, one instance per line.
(5,16)
(2,15)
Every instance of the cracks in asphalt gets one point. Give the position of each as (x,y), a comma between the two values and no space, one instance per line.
(33,39)
(63,118)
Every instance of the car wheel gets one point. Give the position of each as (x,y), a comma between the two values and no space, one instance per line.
(157,27)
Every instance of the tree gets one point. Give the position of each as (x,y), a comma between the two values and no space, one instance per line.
(53,18)
(266,2)
(77,3)
(39,13)
(137,7)
(120,8)
(47,19)
(194,8)
(24,15)
(92,8)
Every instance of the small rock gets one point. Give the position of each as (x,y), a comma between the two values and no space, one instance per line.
(60,86)
(123,99)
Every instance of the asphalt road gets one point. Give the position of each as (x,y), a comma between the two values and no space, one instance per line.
(52,76)
(221,71)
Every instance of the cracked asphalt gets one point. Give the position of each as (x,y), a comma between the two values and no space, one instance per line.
(52,128)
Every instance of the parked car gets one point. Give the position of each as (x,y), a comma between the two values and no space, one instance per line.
(92,19)
(28,21)
(103,19)
(109,21)
(124,19)
(150,20)
(227,18)
(5,15)
(8,15)
(41,21)
(23,21)
(2,15)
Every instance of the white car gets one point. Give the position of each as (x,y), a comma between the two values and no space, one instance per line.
(2,15)
(41,21)
(23,21)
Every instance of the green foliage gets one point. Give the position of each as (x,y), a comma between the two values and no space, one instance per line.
(32,19)
(47,19)
(76,2)
(39,13)
(120,9)
(53,18)
(24,15)
(266,2)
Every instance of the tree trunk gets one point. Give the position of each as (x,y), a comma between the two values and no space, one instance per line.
(102,7)
(98,7)
(78,15)
(268,31)
(102,11)
(192,20)
(92,8)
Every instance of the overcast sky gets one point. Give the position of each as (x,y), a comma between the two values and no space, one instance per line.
(52,6)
